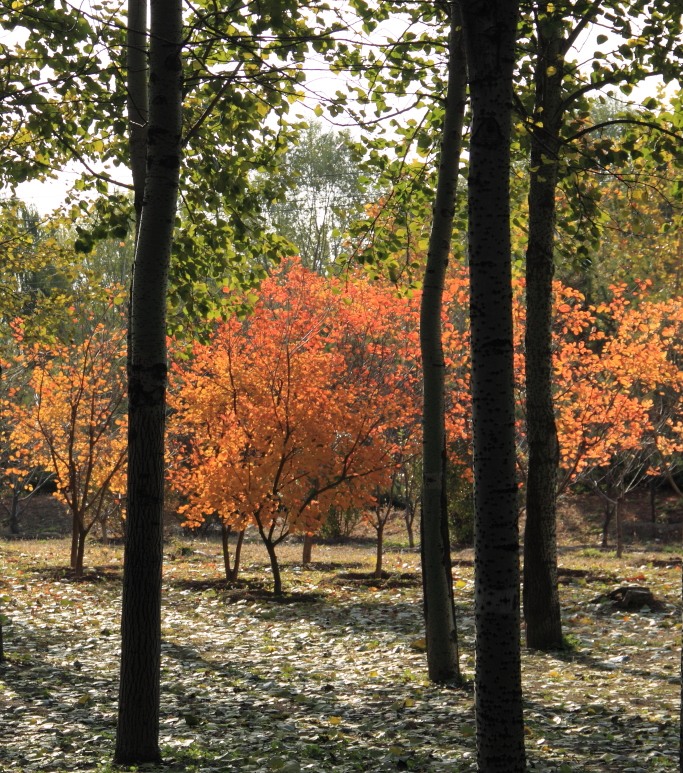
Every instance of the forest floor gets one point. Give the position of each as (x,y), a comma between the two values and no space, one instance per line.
(334,679)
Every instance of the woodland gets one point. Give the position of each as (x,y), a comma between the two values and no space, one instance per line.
(346,310)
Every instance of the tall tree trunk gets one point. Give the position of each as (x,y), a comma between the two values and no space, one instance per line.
(541,596)
(137,739)
(137,66)
(490,34)
(439,610)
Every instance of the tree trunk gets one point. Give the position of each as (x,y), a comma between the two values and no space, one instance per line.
(307,550)
(74,541)
(275,567)
(231,572)
(439,610)
(410,519)
(80,552)
(14,514)
(490,34)
(653,499)
(137,739)
(619,513)
(138,107)
(541,596)
(607,519)
(379,551)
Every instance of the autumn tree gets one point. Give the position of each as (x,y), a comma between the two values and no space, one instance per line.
(75,422)
(291,411)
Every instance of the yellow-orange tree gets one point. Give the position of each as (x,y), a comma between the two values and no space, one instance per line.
(294,409)
(76,420)
(617,375)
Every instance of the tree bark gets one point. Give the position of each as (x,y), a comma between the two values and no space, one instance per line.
(490,35)
(439,610)
(138,102)
(541,597)
(137,739)
(231,572)
(379,551)
(307,555)
(275,568)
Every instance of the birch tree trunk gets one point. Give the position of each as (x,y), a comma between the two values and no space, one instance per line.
(137,739)
(490,34)
(437,578)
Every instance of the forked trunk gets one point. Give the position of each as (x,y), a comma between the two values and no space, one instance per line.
(231,570)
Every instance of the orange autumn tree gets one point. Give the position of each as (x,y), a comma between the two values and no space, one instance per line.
(21,476)
(617,384)
(287,413)
(76,420)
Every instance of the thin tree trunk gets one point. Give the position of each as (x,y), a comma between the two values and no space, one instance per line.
(14,514)
(379,551)
(541,596)
(619,513)
(137,739)
(439,610)
(307,555)
(607,519)
(74,541)
(490,35)
(275,568)
(409,519)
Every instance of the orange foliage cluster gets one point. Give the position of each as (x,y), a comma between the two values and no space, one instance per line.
(314,400)
(70,419)
(305,404)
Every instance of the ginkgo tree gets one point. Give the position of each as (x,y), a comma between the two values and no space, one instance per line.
(290,411)
(75,419)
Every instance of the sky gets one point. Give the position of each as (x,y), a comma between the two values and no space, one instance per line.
(48,195)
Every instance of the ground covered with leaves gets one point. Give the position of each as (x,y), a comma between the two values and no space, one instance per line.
(335,679)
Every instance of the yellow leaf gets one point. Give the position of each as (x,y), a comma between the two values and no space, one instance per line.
(334,720)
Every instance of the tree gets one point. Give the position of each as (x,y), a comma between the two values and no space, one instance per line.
(557,123)
(439,610)
(137,738)
(75,424)
(291,411)
(323,192)
(490,33)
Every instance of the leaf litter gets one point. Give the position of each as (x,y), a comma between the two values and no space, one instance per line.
(334,681)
